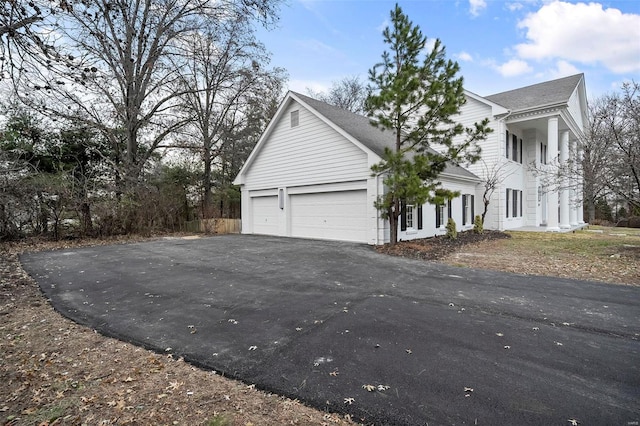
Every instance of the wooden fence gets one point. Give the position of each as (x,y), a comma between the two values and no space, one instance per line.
(214,226)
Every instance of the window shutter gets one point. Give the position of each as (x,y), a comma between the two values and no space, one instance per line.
(438,217)
(419,217)
(507,203)
(520,150)
(507,145)
(473,210)
(449,213)
(403,215)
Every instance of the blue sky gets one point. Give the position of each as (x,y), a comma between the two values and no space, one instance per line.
(499,44)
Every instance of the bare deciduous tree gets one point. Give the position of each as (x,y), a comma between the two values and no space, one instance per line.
(113,65)
(226,70)
(492,177)
(349,93)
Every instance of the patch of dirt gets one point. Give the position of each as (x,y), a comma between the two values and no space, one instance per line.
(55,372)
(439,247)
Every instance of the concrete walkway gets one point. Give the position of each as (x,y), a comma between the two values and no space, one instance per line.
(388,340)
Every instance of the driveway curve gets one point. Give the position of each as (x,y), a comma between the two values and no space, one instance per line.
(390,341)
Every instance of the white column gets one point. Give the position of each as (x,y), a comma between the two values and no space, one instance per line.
(564,180)
(580,186)
(573,190)
(552,194)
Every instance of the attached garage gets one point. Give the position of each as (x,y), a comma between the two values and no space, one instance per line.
(264,213)
(330,215)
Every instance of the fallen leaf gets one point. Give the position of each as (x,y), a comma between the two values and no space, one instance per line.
(369,388)
(349,401)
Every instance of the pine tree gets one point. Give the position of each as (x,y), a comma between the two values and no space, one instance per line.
(415,95)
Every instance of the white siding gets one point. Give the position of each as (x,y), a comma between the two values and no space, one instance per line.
(575,110)
(310,153)
(429,212)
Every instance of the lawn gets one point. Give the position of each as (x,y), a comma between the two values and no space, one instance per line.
(598,253)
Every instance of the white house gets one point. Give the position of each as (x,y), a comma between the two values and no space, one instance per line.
(310,174)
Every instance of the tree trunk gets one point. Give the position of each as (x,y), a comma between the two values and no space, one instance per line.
(206,185)
(87,222)
(393,224)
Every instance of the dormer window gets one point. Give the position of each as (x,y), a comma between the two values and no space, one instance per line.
(295,118)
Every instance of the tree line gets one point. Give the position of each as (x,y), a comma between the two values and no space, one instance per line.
(129,115)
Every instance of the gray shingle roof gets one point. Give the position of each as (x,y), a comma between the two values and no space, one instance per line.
(537,95)
(361,129)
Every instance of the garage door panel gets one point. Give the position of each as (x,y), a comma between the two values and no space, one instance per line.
(330,215)
(264,211)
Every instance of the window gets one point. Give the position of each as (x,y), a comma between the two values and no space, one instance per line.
(295,118)
(439,215)
(467,209)
(514,155)
(409,213)
(514,203)
(410,216)
(521,204)
(543,153)
(441,219)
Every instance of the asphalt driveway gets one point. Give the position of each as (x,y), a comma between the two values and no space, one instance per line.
(318,320)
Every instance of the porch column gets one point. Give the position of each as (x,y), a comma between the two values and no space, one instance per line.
(564,180)
(574,182)
(580,188)
(552,195)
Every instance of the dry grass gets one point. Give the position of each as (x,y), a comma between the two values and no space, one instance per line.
(610,255)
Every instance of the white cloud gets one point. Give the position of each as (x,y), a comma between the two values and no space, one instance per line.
(380,28)
(583,33)
(464,56)
(301,86)
(514,6)
(476,6)
(513,68)
(563,69)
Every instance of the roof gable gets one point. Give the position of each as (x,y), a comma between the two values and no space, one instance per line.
(538,95)
(357,128)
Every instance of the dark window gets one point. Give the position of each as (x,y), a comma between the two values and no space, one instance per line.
(473,208)
(515,203)
(507,203)
(520,151)
(521,204)
(514,154)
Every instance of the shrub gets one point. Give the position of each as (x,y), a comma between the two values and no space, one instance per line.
(478,227)
(452,233)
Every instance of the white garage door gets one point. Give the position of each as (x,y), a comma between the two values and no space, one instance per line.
(330,215)
(264,211)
